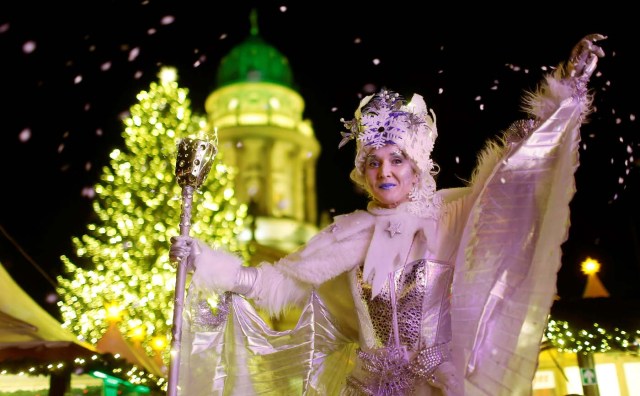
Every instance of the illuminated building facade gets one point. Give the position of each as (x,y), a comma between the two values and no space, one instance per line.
(259,120)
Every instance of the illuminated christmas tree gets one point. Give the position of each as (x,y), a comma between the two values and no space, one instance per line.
(123,266)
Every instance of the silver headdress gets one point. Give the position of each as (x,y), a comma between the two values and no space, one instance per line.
(386,118)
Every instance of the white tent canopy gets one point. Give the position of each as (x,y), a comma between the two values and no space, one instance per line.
(113,342)
(27,330)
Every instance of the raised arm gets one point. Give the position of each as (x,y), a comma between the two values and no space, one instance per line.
(510,250)
(570,80)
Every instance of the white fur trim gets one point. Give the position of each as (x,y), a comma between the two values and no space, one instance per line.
(289,281)
(541,104)
(216,269)
(275,293)
(553,90)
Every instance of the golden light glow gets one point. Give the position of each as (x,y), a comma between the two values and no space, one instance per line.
(590,266)
(274,102)
(113,312)
(137,333)
(159,343)
(253,118)
(168,75)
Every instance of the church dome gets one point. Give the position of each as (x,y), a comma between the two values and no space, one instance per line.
(254,60)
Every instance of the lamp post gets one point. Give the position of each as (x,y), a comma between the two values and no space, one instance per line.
(586,363)
(594,287)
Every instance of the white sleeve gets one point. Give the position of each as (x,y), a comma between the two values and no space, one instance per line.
(290,280)
(510,250)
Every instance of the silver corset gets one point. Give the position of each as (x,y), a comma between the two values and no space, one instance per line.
(423,305)
(422,301)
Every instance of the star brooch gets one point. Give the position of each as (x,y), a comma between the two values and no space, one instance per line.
(393,229)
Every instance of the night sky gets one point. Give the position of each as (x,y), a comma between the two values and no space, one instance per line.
(71,70)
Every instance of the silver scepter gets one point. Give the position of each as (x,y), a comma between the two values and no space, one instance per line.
(195,157)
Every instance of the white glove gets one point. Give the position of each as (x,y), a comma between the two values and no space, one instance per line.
(582,63)
(446,379)
(181,249)
(584,56)
(214,269)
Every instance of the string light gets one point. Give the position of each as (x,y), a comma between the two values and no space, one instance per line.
(596,340)
(105,363)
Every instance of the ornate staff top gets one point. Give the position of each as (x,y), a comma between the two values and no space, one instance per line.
(195,157)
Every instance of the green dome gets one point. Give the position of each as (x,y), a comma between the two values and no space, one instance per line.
(254,60)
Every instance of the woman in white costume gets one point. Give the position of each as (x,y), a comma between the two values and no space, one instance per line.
(426,292)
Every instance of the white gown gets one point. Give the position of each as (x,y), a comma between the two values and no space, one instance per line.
(502,236)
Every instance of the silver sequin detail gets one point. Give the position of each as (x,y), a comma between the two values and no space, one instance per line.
(208,318)
(390,374)
(425,362)
(518,130)
(385,370)
(411,287)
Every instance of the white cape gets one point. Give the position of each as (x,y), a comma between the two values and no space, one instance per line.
(501,294)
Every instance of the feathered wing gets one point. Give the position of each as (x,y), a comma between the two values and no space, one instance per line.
(234,352)
(510,251)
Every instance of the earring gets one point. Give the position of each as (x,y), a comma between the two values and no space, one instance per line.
(413,194)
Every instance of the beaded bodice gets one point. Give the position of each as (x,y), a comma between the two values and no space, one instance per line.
(422,301)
